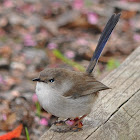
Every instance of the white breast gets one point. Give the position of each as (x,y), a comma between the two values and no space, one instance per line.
(46,95)
(60,106)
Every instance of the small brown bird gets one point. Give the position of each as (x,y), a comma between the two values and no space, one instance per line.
(70,94)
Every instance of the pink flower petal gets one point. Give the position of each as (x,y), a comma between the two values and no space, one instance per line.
(8,3)
(43,121)
(92,18)
(70,122)
(4,117)
(52,46)
(78,4)
(29,41)
(136,37)
(82,41)
(70,54)
(34,98)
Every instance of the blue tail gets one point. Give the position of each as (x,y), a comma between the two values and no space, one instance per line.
(103,40)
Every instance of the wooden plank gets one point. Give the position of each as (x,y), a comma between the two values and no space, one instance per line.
(116,113)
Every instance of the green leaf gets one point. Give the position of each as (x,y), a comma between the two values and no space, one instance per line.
(59,55)
(27,133)
(38,109)
(112,64)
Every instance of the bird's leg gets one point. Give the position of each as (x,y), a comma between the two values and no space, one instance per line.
(78,121)
(76,124)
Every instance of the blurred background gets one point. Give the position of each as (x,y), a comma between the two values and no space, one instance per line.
(35,34)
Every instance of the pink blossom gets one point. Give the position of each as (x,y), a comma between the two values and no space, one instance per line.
(82,41)
(43,121)
(92,18)
(34,98)
(70,54)
(52,46)
(8,3)
(136,37)
(29,41)
(78,4)
(70,122)
(4,117)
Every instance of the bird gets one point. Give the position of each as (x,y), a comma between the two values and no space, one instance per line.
(70,94)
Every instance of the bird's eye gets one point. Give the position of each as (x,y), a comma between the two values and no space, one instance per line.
(51,80)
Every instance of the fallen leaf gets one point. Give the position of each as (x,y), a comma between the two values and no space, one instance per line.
(13,134)
(128,14)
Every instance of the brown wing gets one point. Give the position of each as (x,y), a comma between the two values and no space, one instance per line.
(85,85)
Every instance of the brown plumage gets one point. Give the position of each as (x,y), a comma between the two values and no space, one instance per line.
(70,94)
(83,83)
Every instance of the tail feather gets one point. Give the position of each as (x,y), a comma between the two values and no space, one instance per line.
(103,40)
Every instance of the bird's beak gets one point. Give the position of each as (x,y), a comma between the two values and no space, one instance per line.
(36,79)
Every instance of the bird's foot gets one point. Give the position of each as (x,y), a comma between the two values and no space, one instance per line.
(75,125)
(76,121)
(67,125)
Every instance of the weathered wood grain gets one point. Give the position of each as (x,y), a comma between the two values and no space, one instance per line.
(116,114)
